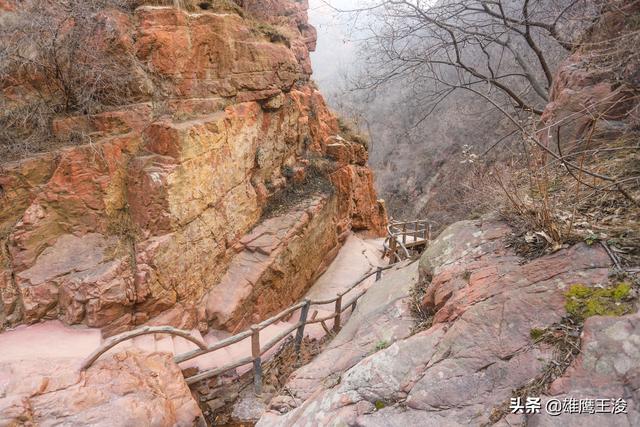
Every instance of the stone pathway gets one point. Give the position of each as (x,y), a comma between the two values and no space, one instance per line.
(356,258)
(37,346)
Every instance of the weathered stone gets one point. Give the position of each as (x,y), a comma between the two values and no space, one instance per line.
(121,390)
(607,368)
(381,317)
(356,200)
(173,185)
(76,276)
(273,269)
(211,54)
(484,302)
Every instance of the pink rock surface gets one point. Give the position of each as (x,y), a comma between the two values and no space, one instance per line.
(485,303)
(356,258)
(41,383)
(607,368)
(122,390)
(49,340)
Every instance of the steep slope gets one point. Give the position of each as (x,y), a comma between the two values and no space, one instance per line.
(500,329)
(146,214)
(464,367)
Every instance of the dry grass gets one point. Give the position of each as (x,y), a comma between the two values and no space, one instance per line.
(315,182)
(286,361)
(578,177)
(275,375)
(216,6)
(551,205)
(564,339)
(348,131)
(275,34)
(575,179)
(63,59)
(68,58)
(422,319)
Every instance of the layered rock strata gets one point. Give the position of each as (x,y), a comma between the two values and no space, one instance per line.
(148,219)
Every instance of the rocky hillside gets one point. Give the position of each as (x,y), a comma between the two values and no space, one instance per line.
(497,319)
(494,328)
(208,186)
(146,211)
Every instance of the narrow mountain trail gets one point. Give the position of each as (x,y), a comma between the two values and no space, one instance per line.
(54,346)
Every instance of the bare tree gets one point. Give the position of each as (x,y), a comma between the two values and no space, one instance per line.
(60,58)
(503,49)
(505,54)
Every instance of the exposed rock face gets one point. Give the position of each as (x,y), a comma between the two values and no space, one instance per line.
(485,303)
(381,317)
(264,276)
(122,390)
(146,220)
(597,85)
(607,368)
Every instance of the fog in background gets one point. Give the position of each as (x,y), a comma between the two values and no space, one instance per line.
(420,155)
(336,51)
(407,161)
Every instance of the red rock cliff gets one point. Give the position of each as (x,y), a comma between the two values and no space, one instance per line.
(146,219)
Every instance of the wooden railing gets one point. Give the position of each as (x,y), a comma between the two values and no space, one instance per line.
(404,237)
(257,349)
(147,330)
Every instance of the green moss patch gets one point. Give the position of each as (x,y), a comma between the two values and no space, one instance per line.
(536,333)
(583,301)
(379,404)
(381,345)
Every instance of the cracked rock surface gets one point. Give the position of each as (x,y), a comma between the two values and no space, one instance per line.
(125,389)
(485,302)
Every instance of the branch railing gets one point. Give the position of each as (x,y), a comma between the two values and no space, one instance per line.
(257,348)
(404,236)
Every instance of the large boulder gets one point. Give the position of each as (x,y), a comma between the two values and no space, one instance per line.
(124,389)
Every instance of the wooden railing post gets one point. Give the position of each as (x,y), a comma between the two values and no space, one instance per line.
(404,233)
(304,312)
(378,273)
(336,322)
(392,249)
(415,230)
(257,363)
